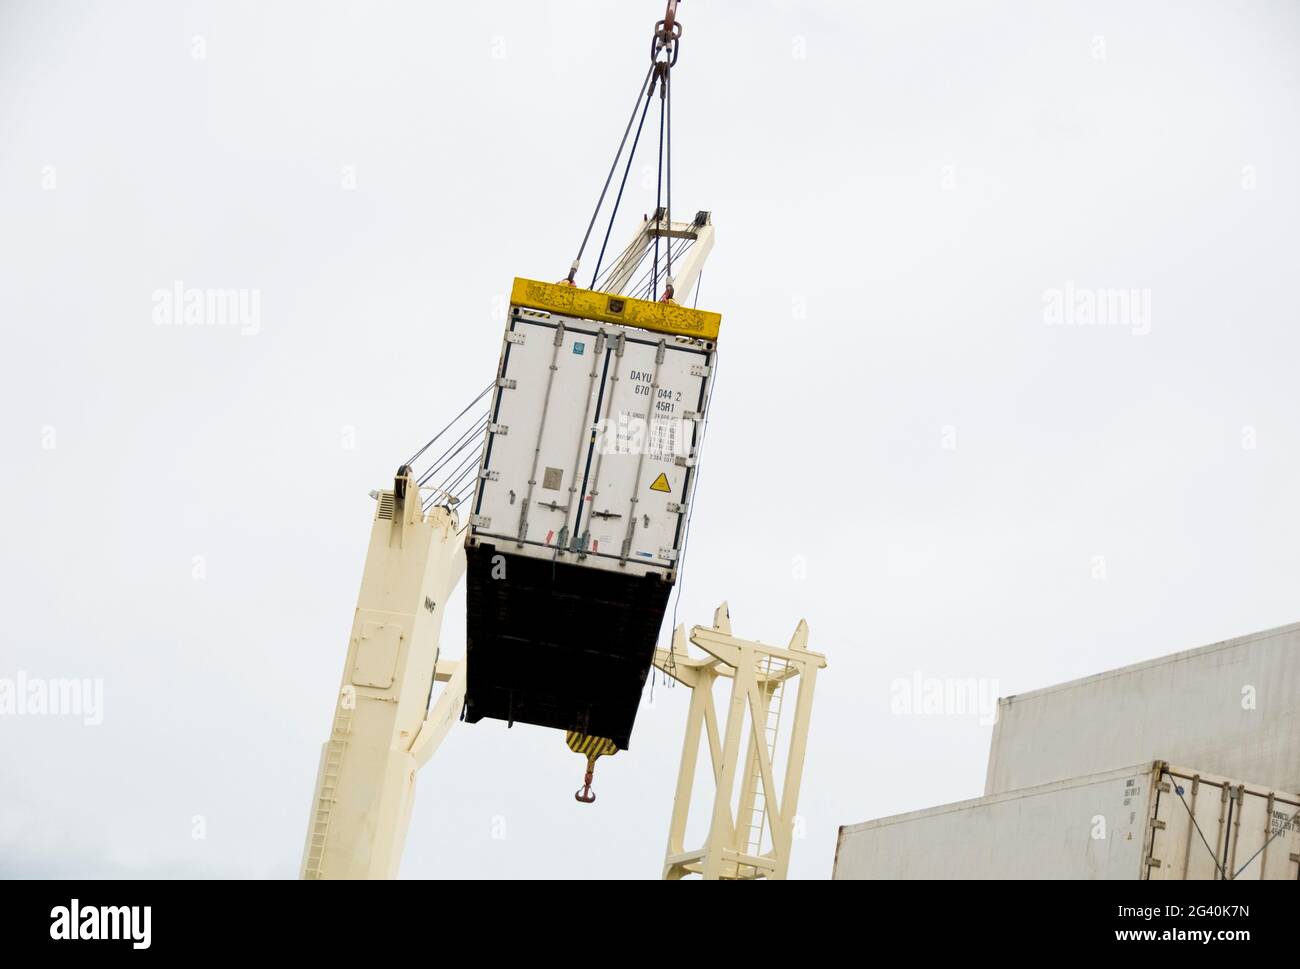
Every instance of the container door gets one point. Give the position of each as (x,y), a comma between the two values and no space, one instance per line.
(634,499)
(1198,826)
(540,431)
(1262,841)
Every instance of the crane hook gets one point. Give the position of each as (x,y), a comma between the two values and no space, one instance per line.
(590,747)
(587,795)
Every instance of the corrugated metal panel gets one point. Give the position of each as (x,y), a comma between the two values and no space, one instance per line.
(591,455)
(1230,707)
(1132,823)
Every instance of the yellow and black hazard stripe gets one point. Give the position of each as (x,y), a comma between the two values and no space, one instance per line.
(589,746)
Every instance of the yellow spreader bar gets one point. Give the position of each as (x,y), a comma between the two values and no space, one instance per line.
(590,305)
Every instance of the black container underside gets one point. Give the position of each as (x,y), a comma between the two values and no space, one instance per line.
(559,645)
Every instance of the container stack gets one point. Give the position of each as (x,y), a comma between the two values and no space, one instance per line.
(1087,779)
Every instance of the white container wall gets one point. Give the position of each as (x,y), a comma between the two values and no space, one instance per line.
(1130,824)
(1231,708)
(592,445)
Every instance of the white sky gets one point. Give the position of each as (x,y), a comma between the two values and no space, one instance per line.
(891,209)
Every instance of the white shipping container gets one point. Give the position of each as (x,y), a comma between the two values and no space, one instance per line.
(1129,824)
(579,516)
(1230,707)
(592,442)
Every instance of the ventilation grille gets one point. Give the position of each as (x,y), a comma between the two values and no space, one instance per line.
(385,506)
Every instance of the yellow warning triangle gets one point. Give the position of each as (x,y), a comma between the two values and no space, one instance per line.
(661,483)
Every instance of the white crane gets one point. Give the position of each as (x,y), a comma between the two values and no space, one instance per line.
(384,728)
(386,724)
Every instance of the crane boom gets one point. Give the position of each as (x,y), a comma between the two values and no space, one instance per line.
(383,727)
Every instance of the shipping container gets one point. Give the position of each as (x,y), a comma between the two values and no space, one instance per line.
(580,515)
(1129,824)
(1230,708)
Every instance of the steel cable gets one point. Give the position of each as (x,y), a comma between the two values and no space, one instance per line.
(454,449)
(622,185)
(412,459)
(608,178)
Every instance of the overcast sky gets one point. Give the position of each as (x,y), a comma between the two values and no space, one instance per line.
(918,442)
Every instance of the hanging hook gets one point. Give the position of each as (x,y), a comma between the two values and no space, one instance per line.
(587,795)
(591,748)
